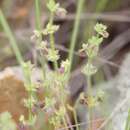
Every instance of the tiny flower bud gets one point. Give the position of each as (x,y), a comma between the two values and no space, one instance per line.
(61,12)
(61,70)
(105,34)
(89,69)
(37,33)
(82,53)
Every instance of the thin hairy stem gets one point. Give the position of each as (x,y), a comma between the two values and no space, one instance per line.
(41,57)
(52,39)
(38,14)
(89,94)
(75,32)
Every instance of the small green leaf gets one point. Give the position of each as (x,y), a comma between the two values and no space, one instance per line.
(89,69)
(95,40)
(49,102)
(101,29)
(65,64)
(52,6)
(91,50)
(50,29)
(53,55)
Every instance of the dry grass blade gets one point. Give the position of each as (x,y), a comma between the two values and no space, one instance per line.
(81,124)
(115,17)
(119,106)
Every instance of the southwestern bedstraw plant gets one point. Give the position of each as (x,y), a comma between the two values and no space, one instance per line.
(91,49)
(55,104)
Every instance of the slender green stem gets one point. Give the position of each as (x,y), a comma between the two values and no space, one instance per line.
(89,85)
(30,104)
(75,31)
(100,6)
(30,95)
(75,118)
(39,27)
(42,62)
(9,34)
(40,57)
(52,39)
(89,93)
(127,127)
(51,35)
(61,97)
(38,14)
(29,88)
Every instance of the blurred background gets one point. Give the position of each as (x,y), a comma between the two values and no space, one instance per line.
(114,13)
(111,61)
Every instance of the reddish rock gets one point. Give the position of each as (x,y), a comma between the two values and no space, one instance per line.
(12,93)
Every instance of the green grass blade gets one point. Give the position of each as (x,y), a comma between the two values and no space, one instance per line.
(75,30)
(9,34)
(38,14)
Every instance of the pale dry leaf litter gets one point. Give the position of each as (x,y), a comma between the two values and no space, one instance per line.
(117,93)
(123,85)
(116,89)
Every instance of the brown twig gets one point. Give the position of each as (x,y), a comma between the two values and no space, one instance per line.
(113,16)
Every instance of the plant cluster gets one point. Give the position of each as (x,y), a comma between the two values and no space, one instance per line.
(55,104)
(91,50)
